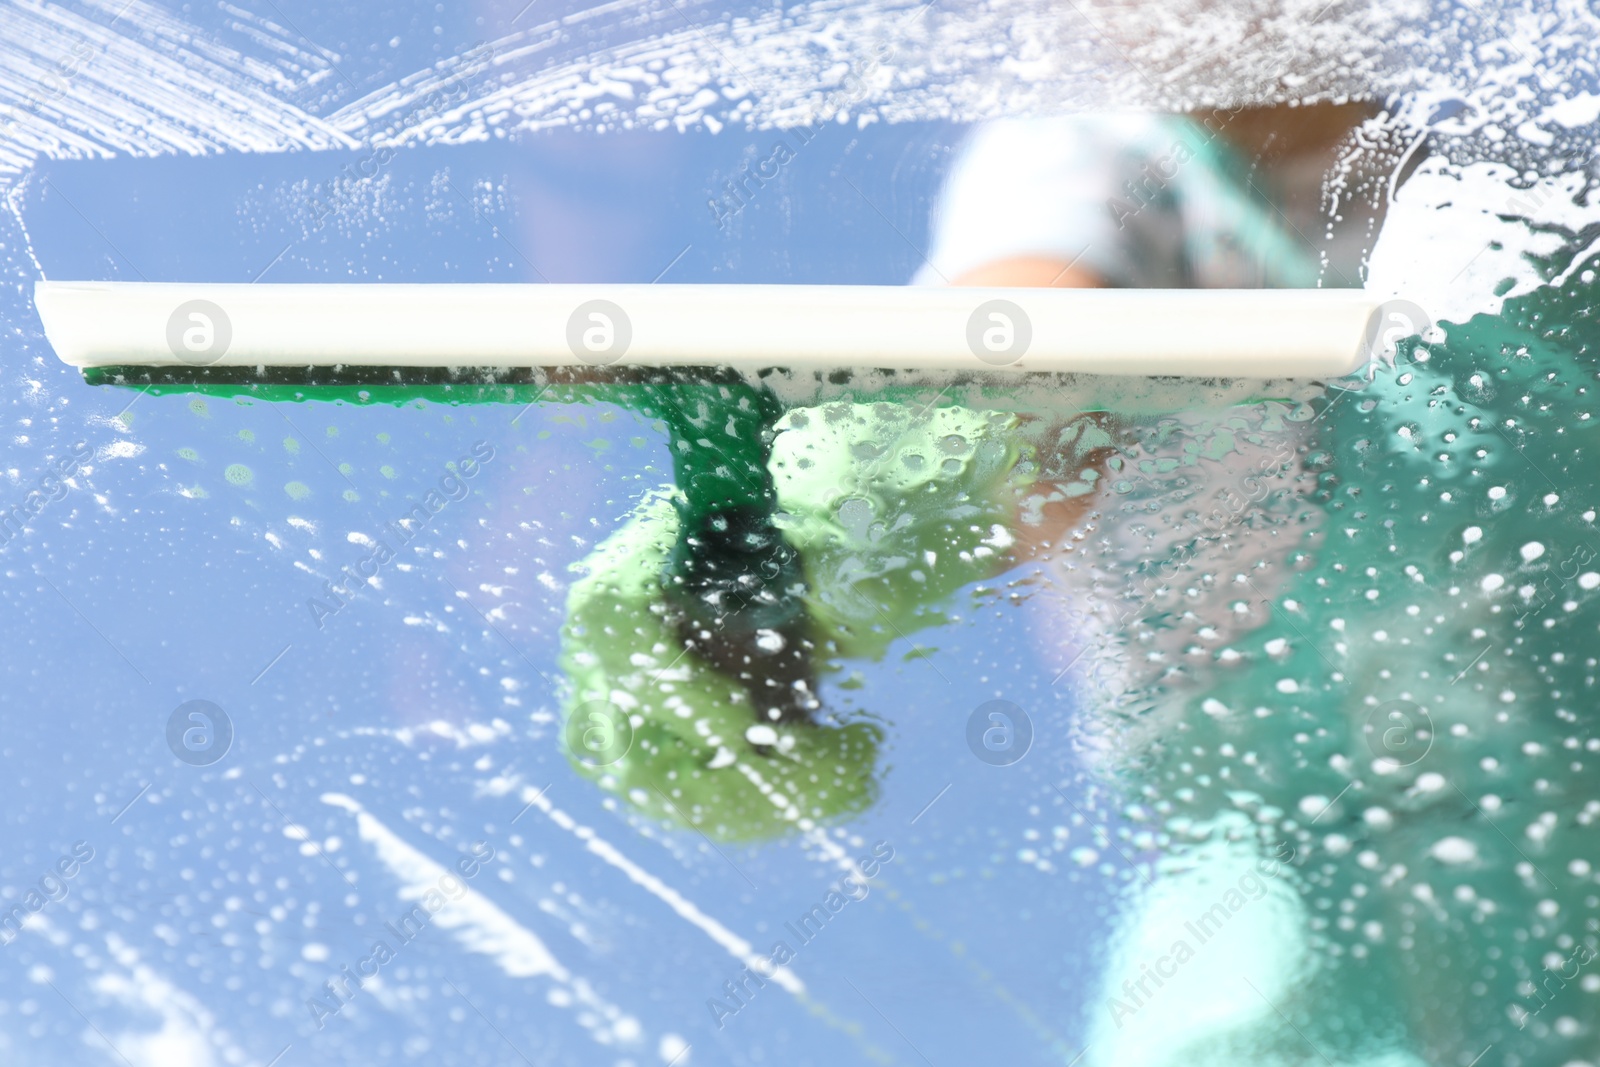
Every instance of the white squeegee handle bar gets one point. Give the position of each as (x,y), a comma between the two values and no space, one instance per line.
(1245,333)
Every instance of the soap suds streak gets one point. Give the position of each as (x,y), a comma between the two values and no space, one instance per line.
(480,926)
(187,1032)
(726,939)
(125,78)
(154,84)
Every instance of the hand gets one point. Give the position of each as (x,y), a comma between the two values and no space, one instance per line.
(1037,272)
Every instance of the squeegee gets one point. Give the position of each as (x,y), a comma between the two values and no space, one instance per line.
(1255,333)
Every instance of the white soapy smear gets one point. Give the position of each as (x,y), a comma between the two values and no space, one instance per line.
(130,78)
(1573,112)
(736,946)
(902,61)
(480,926)
(137,80)
(1484,221)
(189,1032)
(188,1035)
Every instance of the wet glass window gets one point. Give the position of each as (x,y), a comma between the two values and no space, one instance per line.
(411,704)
